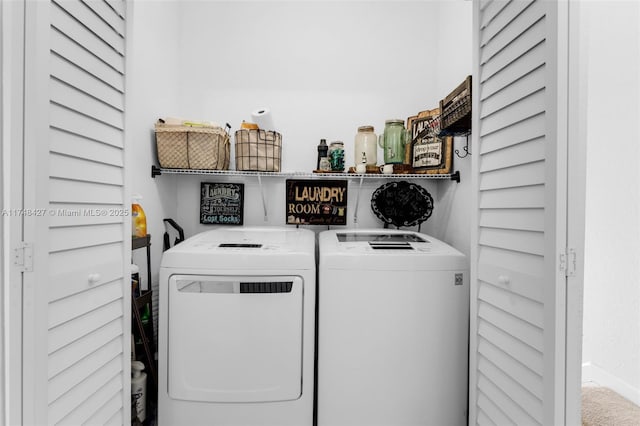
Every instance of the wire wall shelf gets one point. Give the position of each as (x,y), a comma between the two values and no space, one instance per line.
(156,171)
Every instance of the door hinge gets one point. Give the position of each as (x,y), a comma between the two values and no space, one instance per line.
(23,257)
(568,262)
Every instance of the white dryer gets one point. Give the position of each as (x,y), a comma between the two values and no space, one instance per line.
(236,328)
(392,330)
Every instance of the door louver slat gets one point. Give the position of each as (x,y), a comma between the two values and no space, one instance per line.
(526,63)
(75,374)
(520,396)
(520,372)
(510,12)
(70,144)
(513,342)
(86,319)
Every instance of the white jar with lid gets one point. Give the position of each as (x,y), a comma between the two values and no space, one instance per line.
(366,146)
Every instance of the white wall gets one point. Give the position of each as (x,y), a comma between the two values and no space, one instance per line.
(454,50)
(323,68)
(611,344)
(154,86)
(4,329)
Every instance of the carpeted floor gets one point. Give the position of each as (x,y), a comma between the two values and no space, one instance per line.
(603,407)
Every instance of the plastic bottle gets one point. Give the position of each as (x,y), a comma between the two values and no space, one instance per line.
(325,164)
(139,389)
(146,314)
(138,218)
(323,149)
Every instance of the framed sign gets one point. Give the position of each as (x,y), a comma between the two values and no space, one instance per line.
(316,202)
(428,153)
(221,203)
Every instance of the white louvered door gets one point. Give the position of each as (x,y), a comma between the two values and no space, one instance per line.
(76,335)
(518,288)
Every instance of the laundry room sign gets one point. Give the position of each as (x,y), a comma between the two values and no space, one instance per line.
(316,202)
(221,203)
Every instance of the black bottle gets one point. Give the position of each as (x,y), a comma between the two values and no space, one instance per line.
(323,149)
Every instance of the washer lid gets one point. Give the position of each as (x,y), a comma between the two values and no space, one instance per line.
(385,250)
(246,248)
(380,237)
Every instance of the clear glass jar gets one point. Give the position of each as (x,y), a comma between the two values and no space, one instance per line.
(336,156)
(366,146)
(393,140)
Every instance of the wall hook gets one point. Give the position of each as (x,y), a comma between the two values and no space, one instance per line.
(465,148)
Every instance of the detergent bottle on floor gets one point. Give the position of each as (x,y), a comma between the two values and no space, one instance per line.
(139,389)
(138,218)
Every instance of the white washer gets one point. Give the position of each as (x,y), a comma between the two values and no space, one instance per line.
(393,330)
(236,328)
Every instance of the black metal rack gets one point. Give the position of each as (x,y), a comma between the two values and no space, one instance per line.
(145,331)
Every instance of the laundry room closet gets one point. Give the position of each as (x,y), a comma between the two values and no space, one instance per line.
(322,68)
(92,78)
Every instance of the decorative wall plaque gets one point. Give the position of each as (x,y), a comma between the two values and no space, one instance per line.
(402,203)
(428,152)
(316,202)
(221,203)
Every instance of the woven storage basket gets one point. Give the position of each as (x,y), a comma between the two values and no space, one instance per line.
(171,144)
(258,150)
(186,147)
(208,148)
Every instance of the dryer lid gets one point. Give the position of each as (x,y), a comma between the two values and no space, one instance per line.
(246,248)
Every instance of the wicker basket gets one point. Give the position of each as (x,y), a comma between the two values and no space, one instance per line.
(186,147)
(258,150)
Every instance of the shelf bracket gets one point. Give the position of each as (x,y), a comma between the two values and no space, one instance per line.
(456,176)
(155,171)
(355,212)
(264,201)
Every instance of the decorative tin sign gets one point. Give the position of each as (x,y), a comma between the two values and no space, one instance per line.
(402,203)
(221,203)
(427,151)
(316,202)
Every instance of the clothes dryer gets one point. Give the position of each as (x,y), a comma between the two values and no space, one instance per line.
(393,312)
(236,328)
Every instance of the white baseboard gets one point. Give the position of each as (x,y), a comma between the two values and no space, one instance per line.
(593,374)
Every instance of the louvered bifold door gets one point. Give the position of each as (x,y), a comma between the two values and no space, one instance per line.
(517,302)
(82,239)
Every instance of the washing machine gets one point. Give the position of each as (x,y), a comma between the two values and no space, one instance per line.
(393,315)
(237,328)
